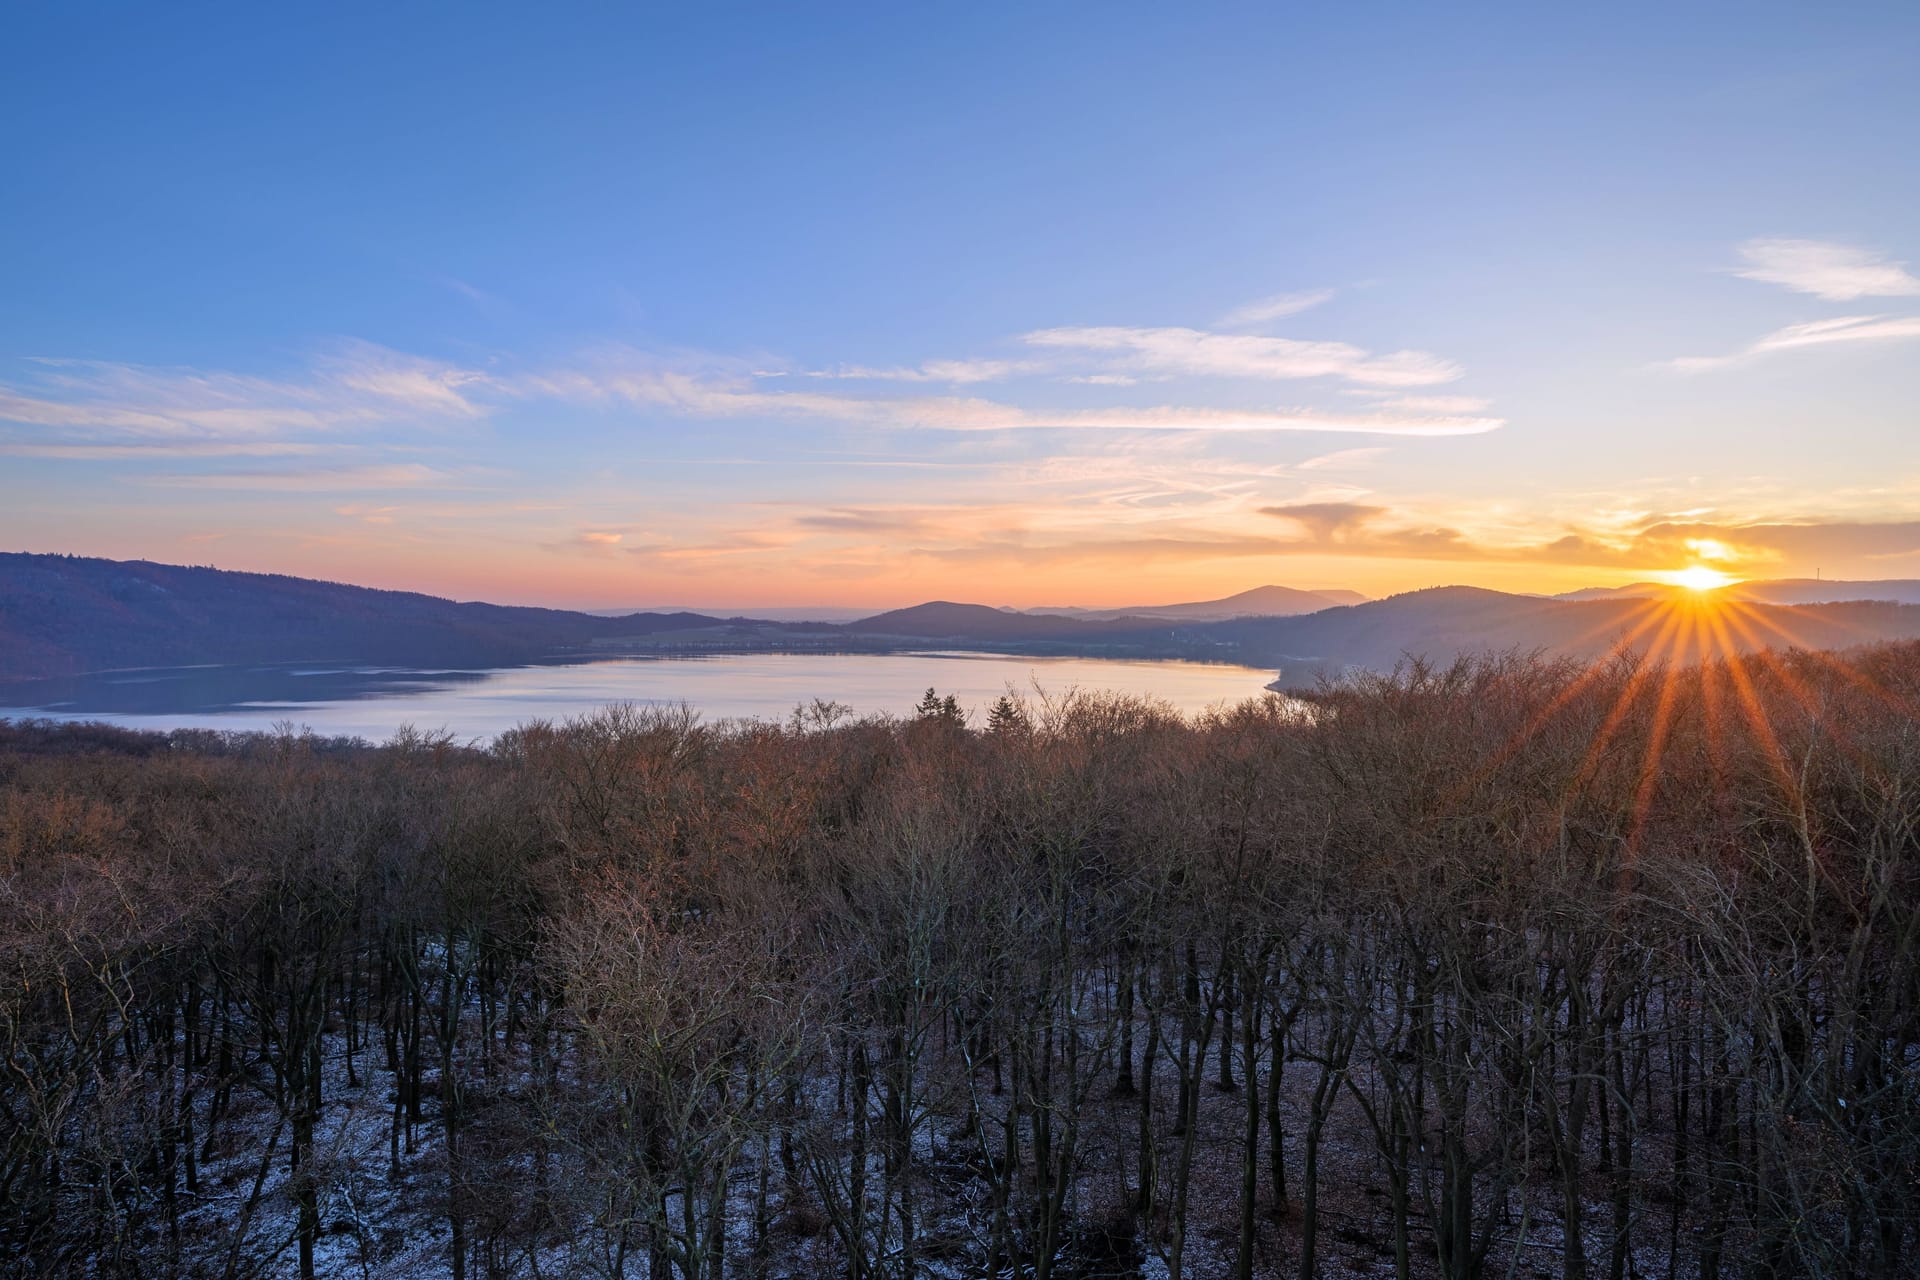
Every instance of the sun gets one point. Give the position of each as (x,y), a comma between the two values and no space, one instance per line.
(1699,577)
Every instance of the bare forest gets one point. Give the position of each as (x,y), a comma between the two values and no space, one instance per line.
(1508,968)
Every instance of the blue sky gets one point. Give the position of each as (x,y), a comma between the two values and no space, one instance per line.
(1061,304)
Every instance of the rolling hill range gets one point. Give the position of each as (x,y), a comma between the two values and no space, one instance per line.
(1439,623)
(1268,601)
(1770,591)
(946,620)
(1445,621)
(62,615)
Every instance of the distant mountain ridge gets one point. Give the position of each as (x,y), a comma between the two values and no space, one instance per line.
(772,613)
(1769,591)
(1267,601)
(65,615)
(1441,622)
(948,620)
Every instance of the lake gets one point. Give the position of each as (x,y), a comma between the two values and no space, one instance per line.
(371,702)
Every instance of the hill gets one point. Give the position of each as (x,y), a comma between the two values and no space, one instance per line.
(1438,623)
(1442,622)
(773,613)
(1769,591)
(62,615)
(947,620)
(1267,601)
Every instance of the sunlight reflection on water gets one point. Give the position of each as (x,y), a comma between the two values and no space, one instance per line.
(372,702)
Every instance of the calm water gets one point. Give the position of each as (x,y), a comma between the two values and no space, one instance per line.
(372,702)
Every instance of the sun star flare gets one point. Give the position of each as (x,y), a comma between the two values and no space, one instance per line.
(1700,577)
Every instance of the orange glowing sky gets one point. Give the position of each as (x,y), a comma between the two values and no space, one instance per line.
(628,312)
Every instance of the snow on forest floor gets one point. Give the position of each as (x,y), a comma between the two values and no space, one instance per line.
(375,1221)
(382,1222)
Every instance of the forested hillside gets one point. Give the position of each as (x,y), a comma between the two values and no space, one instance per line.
(60,615)
(63,615)
(1509,967)
(1442,622)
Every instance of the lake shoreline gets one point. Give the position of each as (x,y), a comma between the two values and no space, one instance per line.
(374,700)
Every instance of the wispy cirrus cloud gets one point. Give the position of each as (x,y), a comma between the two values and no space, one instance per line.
(1814,333)
(1422,403)
(1198,352)
(1437,404)
(391,379)
(102,452)
(1129,522)
(1030,552)
(1648,544)
(956,372)
(1835,272)
(1277,307)
(1343,459)
(603,543)
(94,410)
(1828,270)
(347,384)
(955,414)
(318,480)
(864,520)
(367,513)
(637,379)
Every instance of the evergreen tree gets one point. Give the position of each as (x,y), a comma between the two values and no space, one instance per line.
(945,710)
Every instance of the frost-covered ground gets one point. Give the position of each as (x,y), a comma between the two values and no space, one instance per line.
(384,1220)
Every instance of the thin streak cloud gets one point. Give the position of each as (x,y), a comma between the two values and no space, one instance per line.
(700,397)
(355,383)
(162,452)
(1234,355)
(1836,272)
(1277,307)
(324,480)
(1814,333)
(948,371)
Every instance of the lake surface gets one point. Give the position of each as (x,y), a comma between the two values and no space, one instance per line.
(371,702)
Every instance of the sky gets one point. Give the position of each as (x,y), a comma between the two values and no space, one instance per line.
(731,305)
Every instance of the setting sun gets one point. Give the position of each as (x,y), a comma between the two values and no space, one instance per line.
(1699,577)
